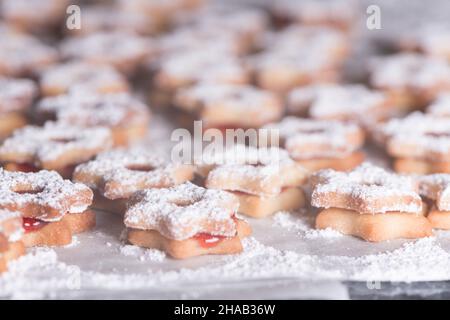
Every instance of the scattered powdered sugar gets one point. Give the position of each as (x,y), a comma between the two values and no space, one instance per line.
(302,223)
(16,94)
(143,254)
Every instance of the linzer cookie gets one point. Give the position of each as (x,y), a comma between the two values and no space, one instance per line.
(55,146)
(117,174)
(186,221)
(419,143)
(16,96)
(52,208)
(340,14)
(299,56)
(411,80)
(122,50)
(265,180)
(125,116)
(229,106)
(339,102)
(81,77)
(435,189)
(321,144)
(216,24)
(369,203)
(34,15)
(11,231)
(24,55)
(187,68)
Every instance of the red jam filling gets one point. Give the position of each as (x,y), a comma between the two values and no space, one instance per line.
(31,224)
(208,240)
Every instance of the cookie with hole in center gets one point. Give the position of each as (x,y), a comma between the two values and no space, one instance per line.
(117,174)
(52,209)
(55,146)
(186,221)
(369,203)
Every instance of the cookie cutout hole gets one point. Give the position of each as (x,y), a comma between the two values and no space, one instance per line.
(28,190)
(63,140)
(140,167)
(185,203)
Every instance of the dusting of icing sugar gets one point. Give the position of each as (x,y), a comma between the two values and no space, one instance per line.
(366,186)
(409,70)
(306,138)
(436,187)
(332,101)
(120,172)
(143,254)
(199,65)
(272,170)
(183,211)
(54,140)
(15,51)
(54,193)
(16,94)
(428,134)
(95,109)
(441,106)
(104,45)
(302,223)
(263,105)
(81,76)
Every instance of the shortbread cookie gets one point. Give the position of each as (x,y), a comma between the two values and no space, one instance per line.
(339,102)
(126,117)
(16,96)
(187,68)
(81,77)
(412,81)
(23,55)
(52,208)
(124,51)
(375,227)
(186,221)
(340,14)
(313,143)
(216,26)
(369,203)
(229,106)
(419,143)
(11,231)
(117,174)
(435,189)
(55,146)
(23,13)
(265,182)
(299,56)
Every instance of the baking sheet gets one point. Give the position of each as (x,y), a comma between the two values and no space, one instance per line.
(285,258)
